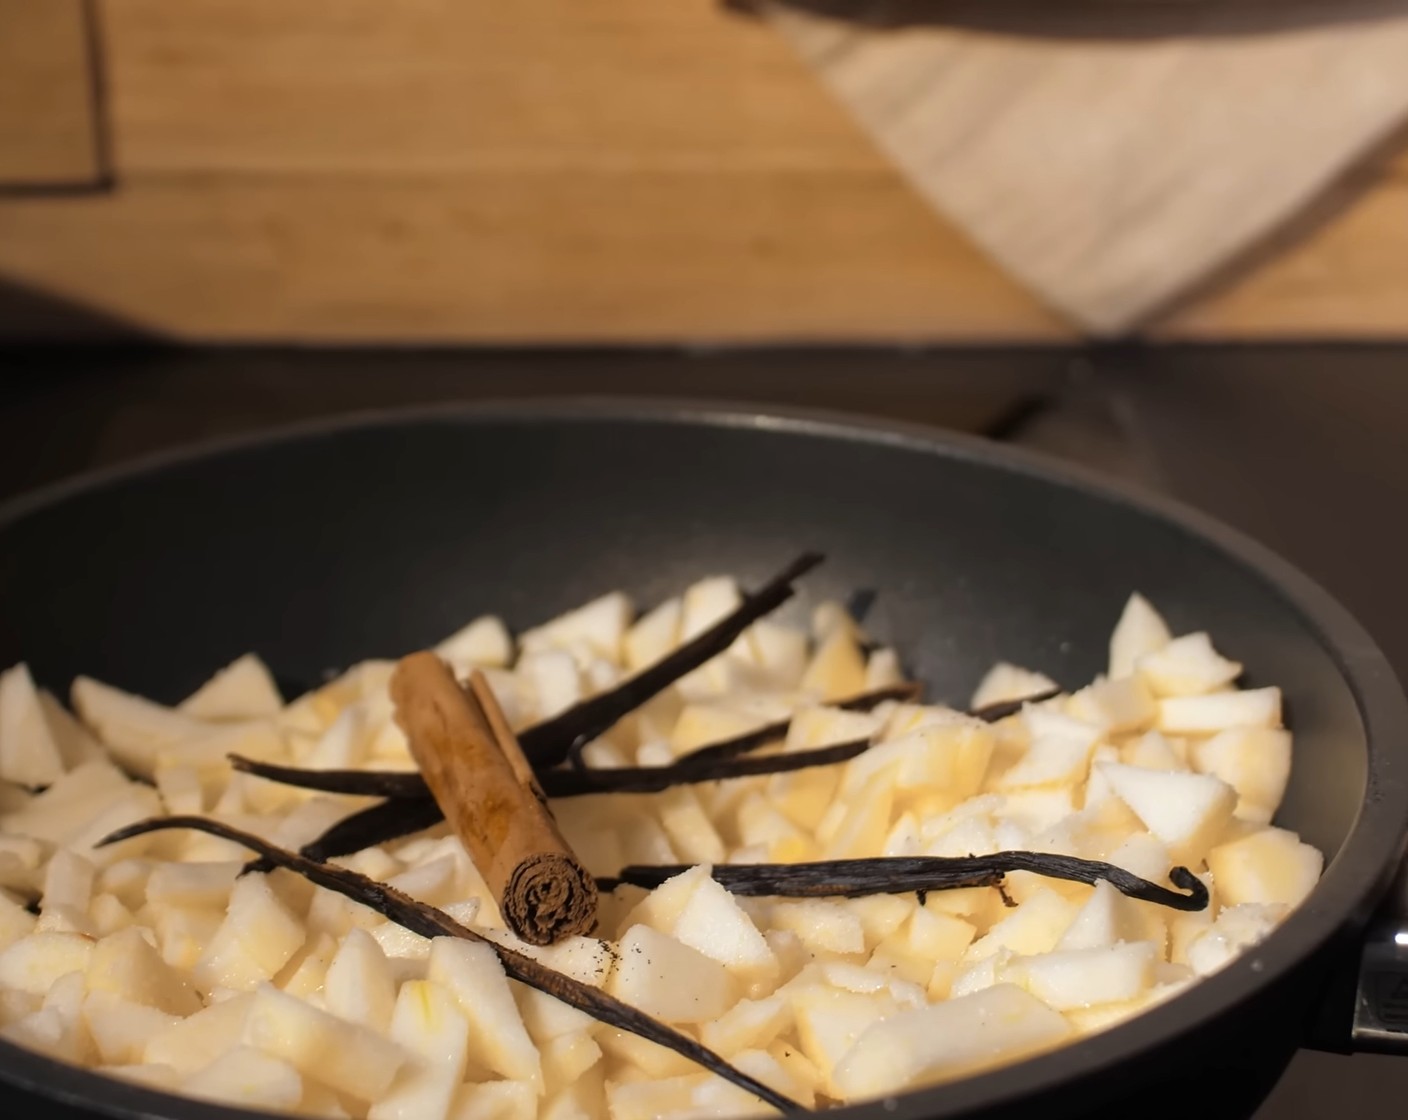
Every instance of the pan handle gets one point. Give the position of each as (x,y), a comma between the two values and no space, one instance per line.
(1380,1022)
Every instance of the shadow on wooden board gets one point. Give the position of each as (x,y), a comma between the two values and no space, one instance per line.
(29,316)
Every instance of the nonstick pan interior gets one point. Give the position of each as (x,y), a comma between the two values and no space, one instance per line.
(374,538)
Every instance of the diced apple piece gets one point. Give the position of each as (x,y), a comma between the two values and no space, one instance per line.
(713,923)
(73,799)
(1118,705)
(779,651)
(945,760)
(483,642)
(360,986)
(345,1057)
(1005,681)
(428,1023)
(830,1021)
(817,725)
(1219,711)
(345,744)
(880,915)
(706,602)
(403,947)
(1255,761)
(244,689)
(883,669)
(1048,721)
(644,841)
(29,752)
(803,795)
(567,1057)
(937,1043)
(823,926)
(546,1017)
(197,1041)
(76,743)
(1270,866)
(654,635)
(837,668)
(1237,928)
(135,729)
(1187,666)
(876,977)
(495,1100)
(863,824)
(305,975)
(15,922)
(68,884)
(48,1032)
(498,1040)
(1050,760)
(935,936)
(585,959)
(1140,631)
(692,834)
(669,980)
(435,881)
(1153,751)
(199,885)
(183,934)
(1084,977)
(652,1100)
(1186,811)
(121,1030)
(702,723)
(831,615)
(1142,854)
(256,939)
(246,1078)
(903,838)
(600,624)
(649,1059)
(662,907)
(34,963)
(1106,919)
(748,1024)
(1026,812)
(554,680)
(971,837)
(181,788)
(127,966)
(1033,927)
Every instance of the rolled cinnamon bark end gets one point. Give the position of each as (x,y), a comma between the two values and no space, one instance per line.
(476,772)
(550,897)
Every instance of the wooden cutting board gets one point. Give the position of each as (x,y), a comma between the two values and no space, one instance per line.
(1111,159)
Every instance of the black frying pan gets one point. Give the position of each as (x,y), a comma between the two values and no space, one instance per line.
(371,537)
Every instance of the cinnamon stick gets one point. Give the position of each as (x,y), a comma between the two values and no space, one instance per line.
(478,776)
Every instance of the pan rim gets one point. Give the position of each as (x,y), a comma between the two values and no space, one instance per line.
(1344,898)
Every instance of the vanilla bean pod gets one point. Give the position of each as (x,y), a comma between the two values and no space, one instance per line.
(856,878)
(688,770)
(550,742)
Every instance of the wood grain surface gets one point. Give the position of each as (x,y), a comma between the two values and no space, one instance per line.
(347,170)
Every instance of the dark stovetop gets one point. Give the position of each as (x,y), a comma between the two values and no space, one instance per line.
(1299,446)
